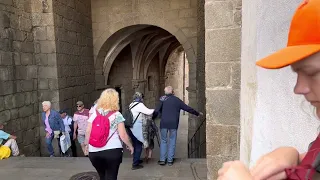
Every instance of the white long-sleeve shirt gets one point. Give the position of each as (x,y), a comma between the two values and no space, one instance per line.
(137,126)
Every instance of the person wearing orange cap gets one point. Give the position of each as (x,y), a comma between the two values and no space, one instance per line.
(303,55)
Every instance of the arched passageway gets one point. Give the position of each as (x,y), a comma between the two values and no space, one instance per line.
(145,58)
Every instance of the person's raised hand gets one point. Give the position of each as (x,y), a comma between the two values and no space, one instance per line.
(272,165)
(234,170)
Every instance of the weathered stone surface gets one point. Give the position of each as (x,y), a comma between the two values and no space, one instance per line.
(228,48)
(236,76)
(26,111)
(6,73)
(6,58)
(225,139)
(220,74)
(221,12)
(40,33)
(224,107)
(47,72)
(6,87)
(1,103)
(214,163)
(48,46)
(5,116)
(14,114)
(24,85)
(26,58)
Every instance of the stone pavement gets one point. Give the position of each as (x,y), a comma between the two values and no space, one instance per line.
(36,168)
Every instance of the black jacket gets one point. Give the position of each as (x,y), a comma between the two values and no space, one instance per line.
(169,108)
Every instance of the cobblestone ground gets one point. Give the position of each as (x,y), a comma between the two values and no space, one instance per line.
(65,168)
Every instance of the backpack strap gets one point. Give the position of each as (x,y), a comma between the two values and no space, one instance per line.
(134,106)
(307,168)
(107,117)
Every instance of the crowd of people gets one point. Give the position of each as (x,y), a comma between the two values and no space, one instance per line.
(103,131)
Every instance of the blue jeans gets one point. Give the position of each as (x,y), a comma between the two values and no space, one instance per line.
(137,146)
(167,153)
(49,144)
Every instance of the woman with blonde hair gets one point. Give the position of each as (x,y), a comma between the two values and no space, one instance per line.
(303,55)
(105,149)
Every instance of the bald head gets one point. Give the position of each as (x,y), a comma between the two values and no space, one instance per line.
(168,90)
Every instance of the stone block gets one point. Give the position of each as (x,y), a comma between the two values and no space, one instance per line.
(6,58)
(40,33)
(24,85)
(214,163)
(53,84)
(222,140)
(48,95)
(185,13)
(6,87)
(27,47)
(41,59)
(4,19)
(47,19)
(224,107)
(47,47)
(50,33)
(52,59)
(28,97)
(218,14)
(14,113)
(26,58)
(238,17)
(25,24)
(190,32)
(19,35)
(180,4)
(16,58)
(14,101)
(2,107)
(228,48)
(236,76)
(26,111)
(43,84)
(5,116)
(218,75)
(26,72)
(6,73)
(47,72)
(5,44)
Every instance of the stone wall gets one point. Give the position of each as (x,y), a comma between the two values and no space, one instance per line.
(74,52)
(18,75)
(153,84)
(174,74)
(63,52)
(223,41)
(121,75)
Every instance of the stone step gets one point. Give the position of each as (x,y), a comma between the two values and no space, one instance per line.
(27,168)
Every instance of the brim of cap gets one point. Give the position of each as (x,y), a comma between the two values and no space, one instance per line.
(288,56)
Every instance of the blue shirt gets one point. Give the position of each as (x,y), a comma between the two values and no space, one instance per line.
(3,135)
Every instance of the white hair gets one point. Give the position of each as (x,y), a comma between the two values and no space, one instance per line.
(168,90)
(48,103)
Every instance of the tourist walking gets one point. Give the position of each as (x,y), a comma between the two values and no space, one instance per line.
(53,124)
(69,128)
(303,55)
(140,115)
(80,119)
(10,147)
(169,108)
(105,134)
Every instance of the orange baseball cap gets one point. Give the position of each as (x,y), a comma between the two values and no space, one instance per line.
(303,40)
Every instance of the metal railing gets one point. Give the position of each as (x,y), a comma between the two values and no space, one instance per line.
(197,143)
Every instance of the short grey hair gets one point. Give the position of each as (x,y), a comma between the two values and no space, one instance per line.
(48,103)
(168,90)
(138,95)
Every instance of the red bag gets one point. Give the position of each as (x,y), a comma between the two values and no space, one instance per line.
(100,130)
(305,170)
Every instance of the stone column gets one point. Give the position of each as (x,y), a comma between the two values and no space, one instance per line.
(222,77)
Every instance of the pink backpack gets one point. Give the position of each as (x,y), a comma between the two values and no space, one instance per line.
(100,130)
